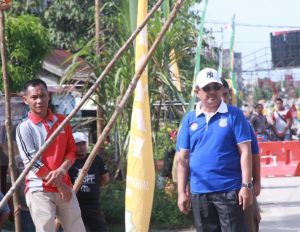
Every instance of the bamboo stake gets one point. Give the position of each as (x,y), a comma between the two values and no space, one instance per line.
(120,107)
(99,110)
(80,104)
(97,27)
(8,126)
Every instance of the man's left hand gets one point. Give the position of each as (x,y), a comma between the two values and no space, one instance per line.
(245,197)
(64,191)
(54,177)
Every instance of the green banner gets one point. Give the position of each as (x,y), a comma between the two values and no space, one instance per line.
(197,58)
(235,97)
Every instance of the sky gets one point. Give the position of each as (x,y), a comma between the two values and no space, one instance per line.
(278,15)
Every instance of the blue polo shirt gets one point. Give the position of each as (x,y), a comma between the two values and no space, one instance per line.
(254,143)
(212,143)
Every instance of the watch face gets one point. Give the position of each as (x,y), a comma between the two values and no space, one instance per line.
(247,185)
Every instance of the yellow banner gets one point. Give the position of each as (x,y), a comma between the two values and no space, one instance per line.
(140,180)
(174,70)
(232,92)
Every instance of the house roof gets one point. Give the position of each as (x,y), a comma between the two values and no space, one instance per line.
(59,62)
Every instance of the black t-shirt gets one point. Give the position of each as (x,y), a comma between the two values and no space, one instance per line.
(90,189)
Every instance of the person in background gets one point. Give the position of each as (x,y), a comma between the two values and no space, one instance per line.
(4,212)
(246,110)
(169,157)
(259,122)
(252,213)
(27,224)
(4,168)
(89,192)
(219,170)
(282,121)
(48,189)
(168,167)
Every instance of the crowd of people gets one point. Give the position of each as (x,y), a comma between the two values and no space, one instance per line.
(281,124)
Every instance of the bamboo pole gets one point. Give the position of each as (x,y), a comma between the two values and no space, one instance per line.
(97,27)
(120,107)
(8,126)
(99,111)
(80,104)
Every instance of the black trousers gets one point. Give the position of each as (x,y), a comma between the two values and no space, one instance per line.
(93,217)
(216,212)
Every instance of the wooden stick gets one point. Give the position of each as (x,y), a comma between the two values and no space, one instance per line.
(120,107)
(77,108)
(8,126)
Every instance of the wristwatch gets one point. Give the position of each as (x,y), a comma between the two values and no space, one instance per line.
(247,185)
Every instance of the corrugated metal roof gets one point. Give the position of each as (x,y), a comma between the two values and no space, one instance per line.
(58,61)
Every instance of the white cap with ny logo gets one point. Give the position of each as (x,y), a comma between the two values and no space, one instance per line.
(207,76)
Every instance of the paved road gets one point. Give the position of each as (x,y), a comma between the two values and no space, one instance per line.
(280,204)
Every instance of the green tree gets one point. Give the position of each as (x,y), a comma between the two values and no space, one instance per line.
(70,23)
(27,44)
(31,7)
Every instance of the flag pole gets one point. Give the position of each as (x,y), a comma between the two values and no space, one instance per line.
(140,163)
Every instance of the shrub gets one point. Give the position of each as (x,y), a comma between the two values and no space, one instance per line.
(163,143)
(165,214)
(113,201)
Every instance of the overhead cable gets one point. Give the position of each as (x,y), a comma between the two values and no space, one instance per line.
(252,25)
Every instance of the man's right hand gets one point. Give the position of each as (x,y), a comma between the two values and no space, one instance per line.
(64,191)
(184,203)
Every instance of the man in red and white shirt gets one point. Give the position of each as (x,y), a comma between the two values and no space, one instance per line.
(48,189)
(282,121)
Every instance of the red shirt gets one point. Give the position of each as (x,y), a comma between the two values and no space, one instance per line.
(31,135)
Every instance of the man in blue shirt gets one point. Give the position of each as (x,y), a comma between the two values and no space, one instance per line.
(215,156)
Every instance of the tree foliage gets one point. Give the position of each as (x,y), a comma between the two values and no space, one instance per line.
(116,29)
(22,7)
(27,44)
(70,23)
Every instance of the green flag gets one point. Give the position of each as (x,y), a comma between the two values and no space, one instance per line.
(235,96)
(197,57)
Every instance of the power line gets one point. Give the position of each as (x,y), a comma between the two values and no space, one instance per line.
(251,25)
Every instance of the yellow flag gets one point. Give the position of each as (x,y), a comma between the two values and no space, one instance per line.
(232,92)
(140,178)
(174,70)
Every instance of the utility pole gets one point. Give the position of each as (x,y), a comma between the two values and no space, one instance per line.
(5,5)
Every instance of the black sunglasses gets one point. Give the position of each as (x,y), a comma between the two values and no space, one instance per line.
(214,87)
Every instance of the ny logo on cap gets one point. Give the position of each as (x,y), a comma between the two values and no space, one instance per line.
(209,74)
